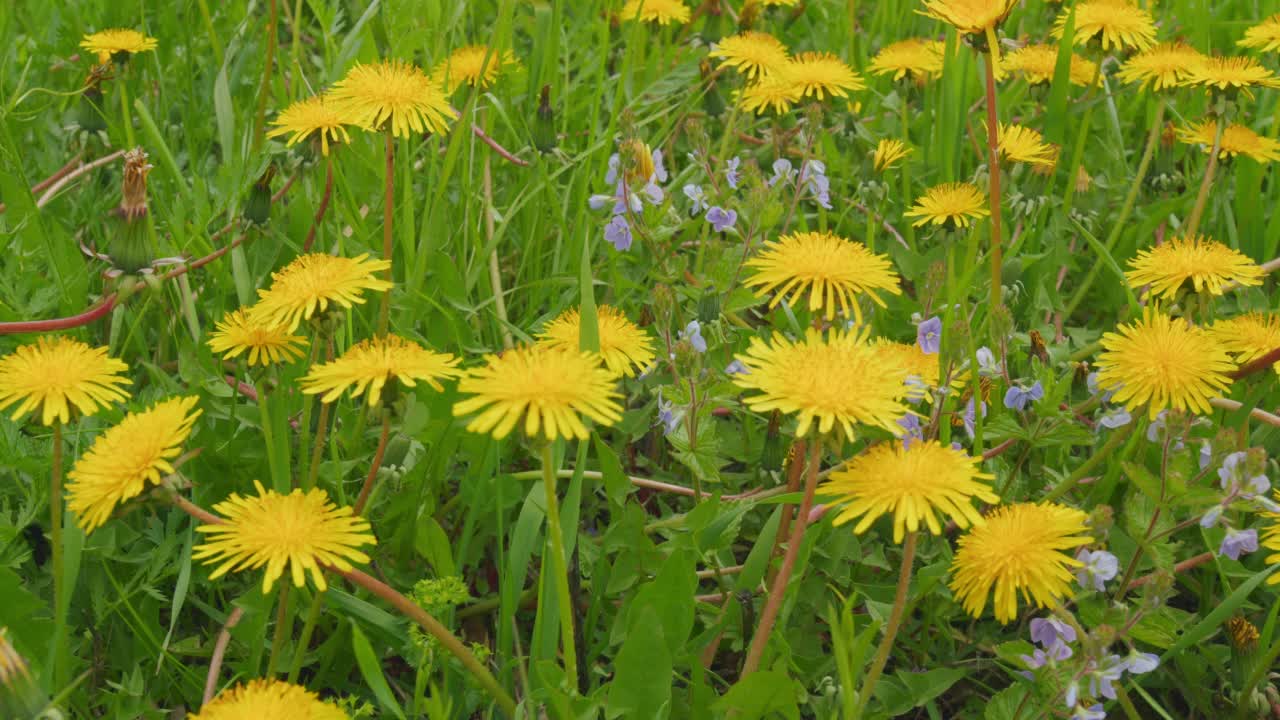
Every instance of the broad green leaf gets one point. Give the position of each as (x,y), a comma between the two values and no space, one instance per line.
(371,668)
(641,686)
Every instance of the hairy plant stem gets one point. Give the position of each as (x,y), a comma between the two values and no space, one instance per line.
(378,454)
(388,212)
(55,533)
(993,172)
(559,564)
(264,90)
(779,587)
(1197,212)
(891,630)
(277,640)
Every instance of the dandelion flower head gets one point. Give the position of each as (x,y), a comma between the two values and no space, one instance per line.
(821,74)
(394,92)
(367,367)
(832,270)
(266,344)
(1163,67)
(624,346)
(1271,541)
(1113,23)
(1265,36)
(314,115)
(1038,63)
(1209,265)
(950,204)
(117,40)
(311,282)
(920,59)
(1024,145)
(1237,139)
(776,92)
(754,54)
(888,153)
(662,12)
(268,700)
(1230,75)
(468,66)
(1249,336)
(974,17)
(57,374)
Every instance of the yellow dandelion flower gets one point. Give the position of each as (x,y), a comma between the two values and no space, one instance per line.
(663,12)
(624,347)
(127,458)
(370,364)
(833,382)
(888,154)
(269,700)
(1208,264)
(950,204)
(313,281)
(1024,145)
(117,40)
(1018,549)
(1113,23)
(392,91)
(1162,362)
(1264,36)
(775,92)
(1038,63)
(821,74)
(549,387)
(311,116)
(831,269)
(974,17)
(754,54)
(1236,140)
(1163,67)
(467,66)
(921,59)
(236,334)
(1249,336)
(56,374)
(1271,541)
(299,532)
(1230,74)
(916,484)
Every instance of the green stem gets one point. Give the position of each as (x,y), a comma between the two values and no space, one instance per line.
(388,207)
(282,619)
(1193,223)
(890,632)
(214,42)
(278,481)
(125,115)
(906,166)
(295,49)
(55,532)
(376,464)
(304,640)
(1130,199)
(559,564)
(495,271)
(1116,440)
(317,448)
(993,174)
(264,90)
(1077,152)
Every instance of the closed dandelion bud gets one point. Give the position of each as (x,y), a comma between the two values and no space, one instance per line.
(750,13)
(128,246)
(708,305)
(544,123)
(712,101)
(637,162)
(257,209)
(397,451)
(89,111)
(1083,180)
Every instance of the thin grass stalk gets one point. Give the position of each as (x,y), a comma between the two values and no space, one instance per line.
(277,640)
(260,114)
(304,639)
(495,271)
(55,531)
(376,464)
(891,631)
(388,207)
(1197,212)
(559,564)
(993,172)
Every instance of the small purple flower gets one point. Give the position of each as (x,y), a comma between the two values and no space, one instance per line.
(813,174)
(667,416)
(1238,542)
(731,172)
(782,172)
(929,335)
(1072,694)
(1099,567)
(737,368)
(987,365)
(1017,398)
(695,193)
(911,430)
(970,417)
(1211,517)
(1115,418)
(1048,631)
(1206,454)
(1233,480)
(721,219)
(1093,712)
(659,170)
(1091,380)
(693,333)
(1140,663)
(1108,672)
(618,232)
(1039,658)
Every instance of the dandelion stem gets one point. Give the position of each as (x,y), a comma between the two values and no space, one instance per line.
(32,326)
(55,532)
(495,272)
(259,119)
(779,588)
(126,117)
(388,211)
(1193,222)
(559,564)
(219,651)
(278,480)
(304,640)
(324,204)
(322,427)
(993,172)
(891,631)
(376,464)
(295,49)
(282,619)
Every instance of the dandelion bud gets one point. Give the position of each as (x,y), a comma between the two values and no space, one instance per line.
(1101,520)
(129,244)
(89,111)
(664,301)
(712,101)
(709,305)
(257,210)
(544,125)
(637,162)
(750,13)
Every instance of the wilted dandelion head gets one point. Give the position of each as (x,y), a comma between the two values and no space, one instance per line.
(127,458)
(395,93)
(832,270)
(1236,140)
(311,116)
(831,383)
(952,205)
(917,484)
(268,700)
(468,66)
(919,58)
(1163,67)
(1018,550)
(624,346)
(117,40)
(1161,362)
(1208,265)
(662,12)
(57,374)
(754,54)
(370,364)
(1113,23)
(313,281)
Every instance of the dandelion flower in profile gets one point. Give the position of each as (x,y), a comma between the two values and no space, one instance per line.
(1230,75)
(889,152)
(392,91)
(1236,140)
(1162,362)
(1209,265)
(56,374)
(921,59)
(1024,145)
(1113,23)
(754,54)
(312,116)
(953,205)
(1038,63)
(1163,67)
(116,41)
(821,74)
(550,388)
(1018,549)
(1271,541)
(313,281)
(974,17)
(624,347)
(830,383)
(775,92)
(1249,336)
(832,270)
(467,66)
(1265,36)
(299,532)
(127,458)
(917,484)
(370,364)
(268,700)
(663,12)
(267,344)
